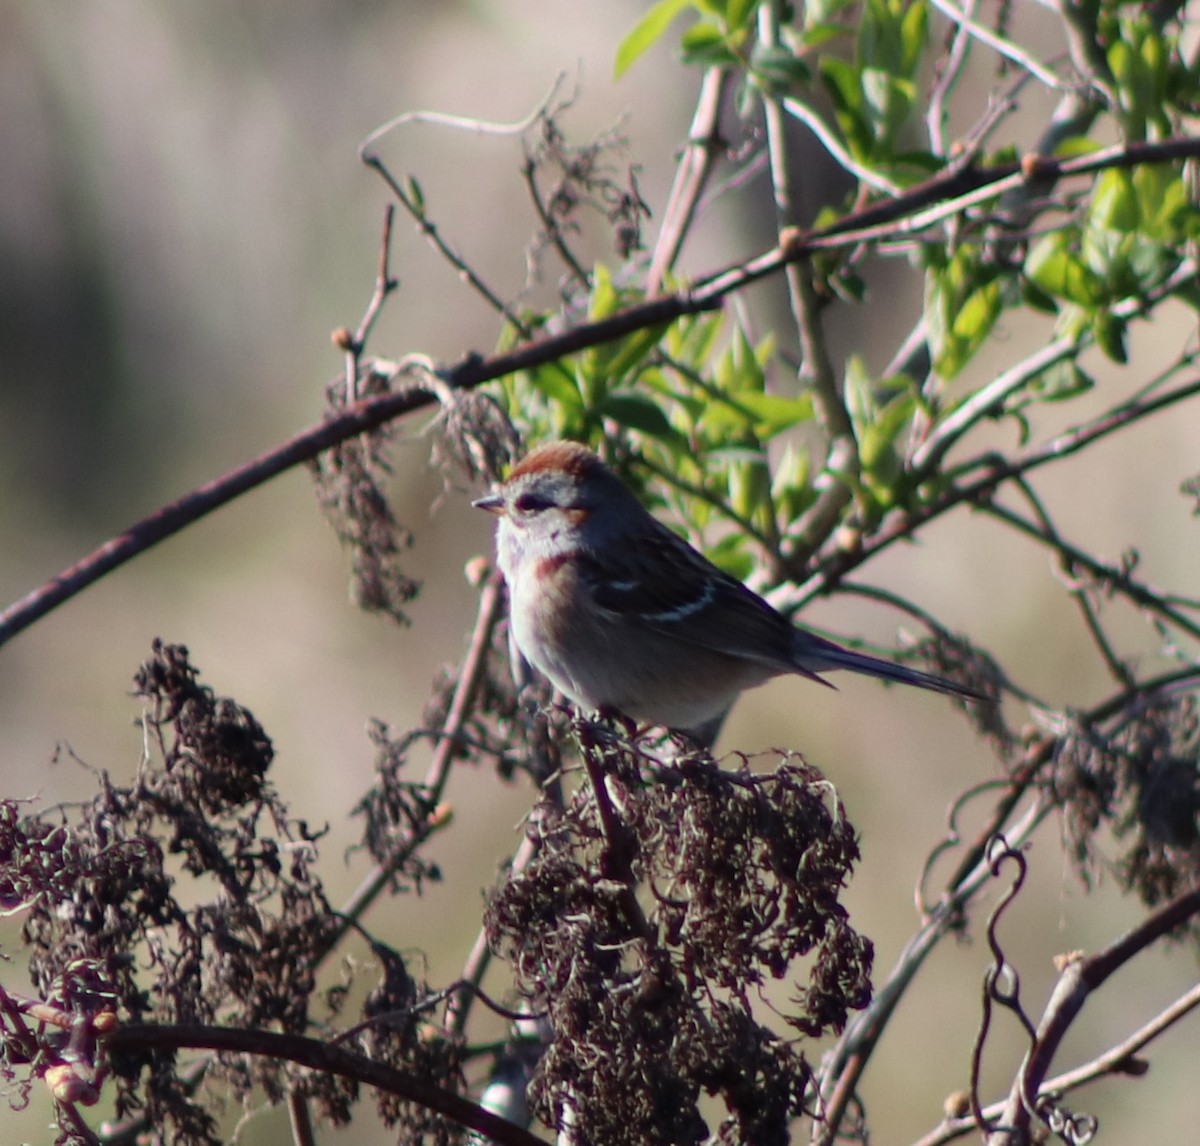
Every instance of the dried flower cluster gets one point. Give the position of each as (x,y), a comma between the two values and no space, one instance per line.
(1138,776)
(116,934)
(647,951)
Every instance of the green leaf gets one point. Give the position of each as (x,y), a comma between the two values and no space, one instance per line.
(645,33)
(1120,61)
(818,34)
(604,294)
(778,68)
(1164,201)
(859,388)
(775,413)
(749,485)
(1062,381)
(1076,146)
(638,412)
(1110,333)
(1052,266)
(841,83)
(963,301)
(977,315)
(1037,299)
(416,196)
(732,555)
(825,12)
(738,14)
(631,352)
(557,385)
(1115,204)
(876,444)
(707,44)
(913,26)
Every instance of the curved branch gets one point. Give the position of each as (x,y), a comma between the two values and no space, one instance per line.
(964,186)
(328,1059)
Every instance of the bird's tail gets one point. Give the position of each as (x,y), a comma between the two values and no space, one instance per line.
(815,654)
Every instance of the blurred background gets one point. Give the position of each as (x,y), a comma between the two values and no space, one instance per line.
(183,222)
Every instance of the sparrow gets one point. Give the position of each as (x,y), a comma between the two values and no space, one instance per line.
(621,614)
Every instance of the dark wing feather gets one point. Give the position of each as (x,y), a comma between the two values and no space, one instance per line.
(666,585)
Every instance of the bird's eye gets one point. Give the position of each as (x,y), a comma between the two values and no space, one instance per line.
(531,503)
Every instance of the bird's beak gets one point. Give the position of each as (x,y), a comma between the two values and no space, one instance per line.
(493,503)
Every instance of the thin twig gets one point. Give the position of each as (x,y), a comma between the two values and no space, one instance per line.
(828,139)
(828,573)
(990,398)
(816,370)
(354,344)
(948,72)
(699,157)
(470,123)
(1079,588)
(999,44)
(300,1120)
(844,1065)
(430,230)
(1118,1060)
(474,371)
(551,226)
(1117,577)
(490,605)
(999,971)
(1077,982)
(458,1009)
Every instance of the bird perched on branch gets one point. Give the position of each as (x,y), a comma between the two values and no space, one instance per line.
(619,613)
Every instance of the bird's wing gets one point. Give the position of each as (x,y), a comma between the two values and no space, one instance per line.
(658,581)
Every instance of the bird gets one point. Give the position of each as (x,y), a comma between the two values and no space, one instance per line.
(622,615)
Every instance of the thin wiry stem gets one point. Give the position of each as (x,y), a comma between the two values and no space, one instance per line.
(991,398)
(1118,1060)
(551,227)
(472,124)
(1002,46)
(473,370)
(470,675)
(429,229)
(844,1066)
(816,370)
(1115,577)
(948,74)
(1079,588)
(980,490)
(385,284)
(458,1009)
(1078,981)
(691,177)
(828,139)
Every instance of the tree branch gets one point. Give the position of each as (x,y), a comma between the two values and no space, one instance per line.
(874,221)
(327,1058)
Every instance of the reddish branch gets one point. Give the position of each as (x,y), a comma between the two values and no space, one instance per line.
(954,190)
(328,1058)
